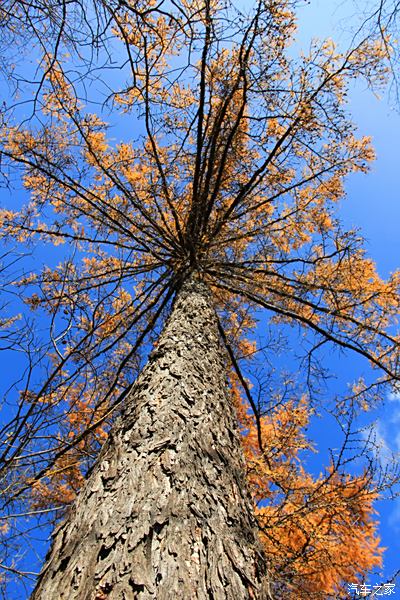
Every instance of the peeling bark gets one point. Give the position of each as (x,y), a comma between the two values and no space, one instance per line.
(165,513)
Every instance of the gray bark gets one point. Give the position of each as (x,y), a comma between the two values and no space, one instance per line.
(165,513)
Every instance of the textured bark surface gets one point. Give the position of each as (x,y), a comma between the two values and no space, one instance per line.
(165,513)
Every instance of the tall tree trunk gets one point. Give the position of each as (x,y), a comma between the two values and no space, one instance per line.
(165,513)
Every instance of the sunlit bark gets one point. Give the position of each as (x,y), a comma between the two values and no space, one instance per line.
(165,512)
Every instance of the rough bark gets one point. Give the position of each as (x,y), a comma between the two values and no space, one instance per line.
(165,513)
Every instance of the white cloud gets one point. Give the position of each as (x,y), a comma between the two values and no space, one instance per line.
(383,448)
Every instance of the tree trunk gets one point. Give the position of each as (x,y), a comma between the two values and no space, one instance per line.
(165,513)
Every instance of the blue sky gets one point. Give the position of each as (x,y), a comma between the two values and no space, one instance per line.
(372,205)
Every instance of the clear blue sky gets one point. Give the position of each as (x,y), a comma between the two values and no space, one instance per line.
(372,205)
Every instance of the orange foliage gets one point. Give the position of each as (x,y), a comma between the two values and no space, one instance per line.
(318,531)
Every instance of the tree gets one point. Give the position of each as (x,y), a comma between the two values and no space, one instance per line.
(195,535)
(380,19)
(222,206)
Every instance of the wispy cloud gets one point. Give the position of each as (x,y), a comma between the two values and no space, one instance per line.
(386,435)
(394,396)
(383,444)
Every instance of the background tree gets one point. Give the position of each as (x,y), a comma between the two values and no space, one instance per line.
(381,19)
(239,156)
